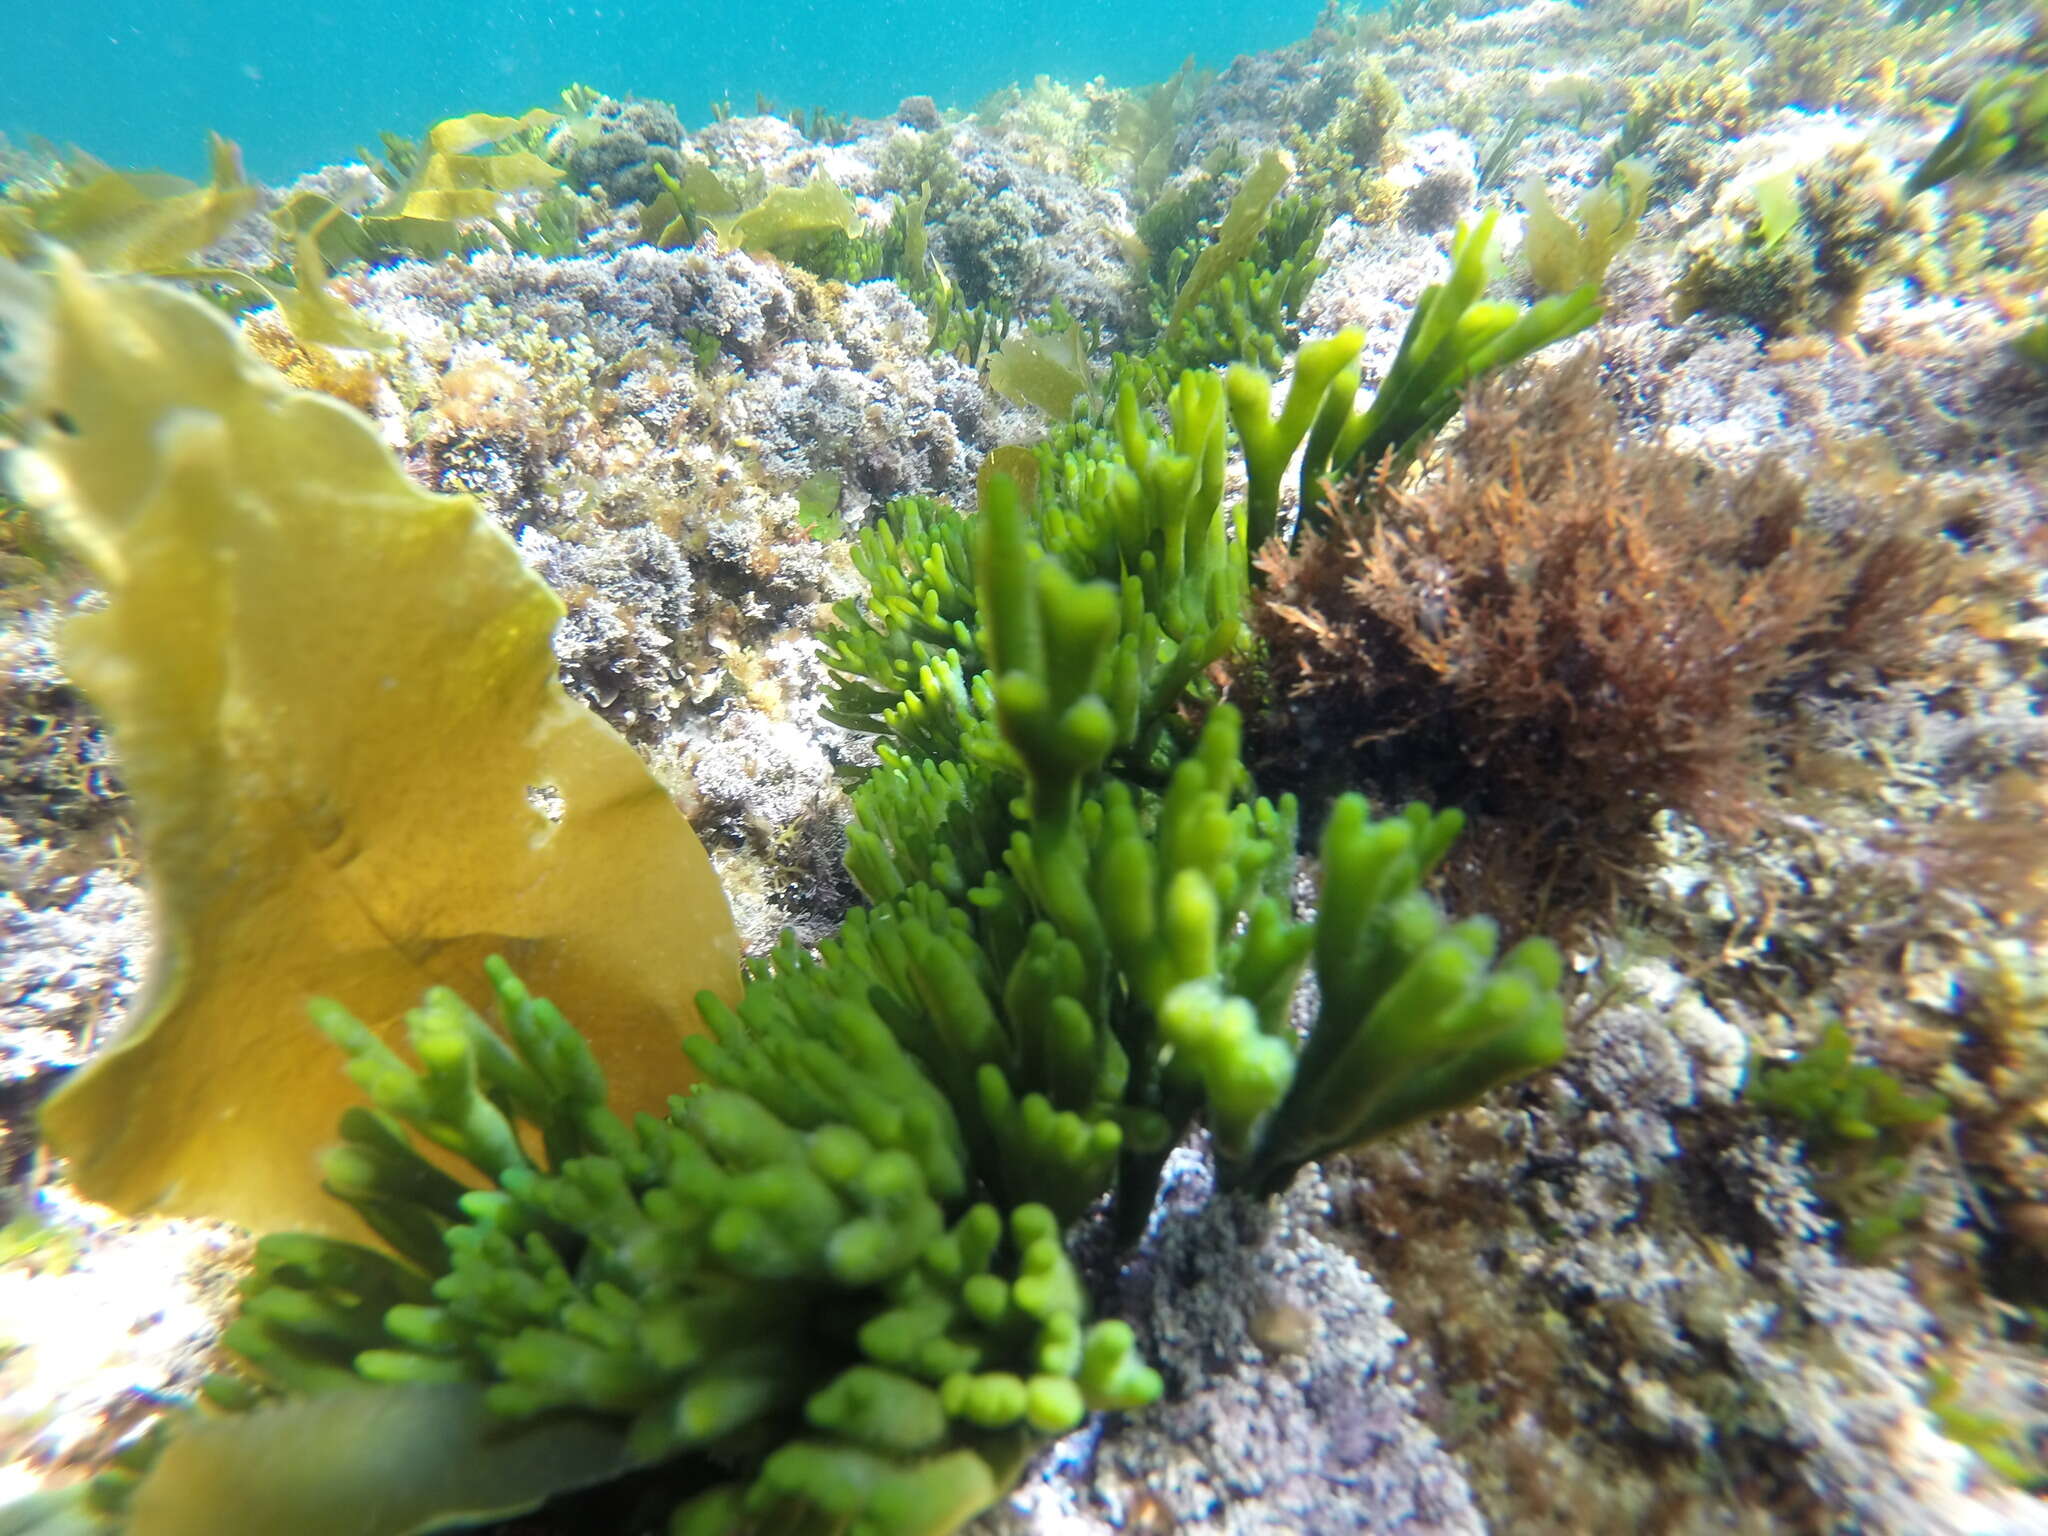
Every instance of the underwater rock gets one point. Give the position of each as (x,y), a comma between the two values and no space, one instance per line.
(57,776)
(617,146)
(1942,392)
(775,779)
(128,1314)
(1324,1440)
(1438,175)
(1621,1253)
(1263,98)
(919,112)
(617,644)
(763,144)
(71,942)
(1372,275)
(989,248)
(1838,1365)
(1076,260)
(861,398)
(614,304)
(73,925)
(1538,21)
(661,500)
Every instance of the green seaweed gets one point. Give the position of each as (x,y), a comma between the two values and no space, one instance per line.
(814,226)
(1645,119)
(2002,1445)
(315,317)
(1175,223)
(817,505)
(553,229)
(1242,224)
(267,569)
(968,331)
(1249,314)
(1858,1123)
(466,168)
(2031,346)
(2001,124)
(1146,125)
(1510,138)
(685,207)
(1811,246)
(1564,255)
(1777,208)
(1043,665)
(1320,368)
(435,1454)
(790,216)
(441,195)
(1838,1101)
(1046,369)
(1453,337)
(128,221)
(1343,161)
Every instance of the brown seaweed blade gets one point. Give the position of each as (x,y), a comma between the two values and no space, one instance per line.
(354,769)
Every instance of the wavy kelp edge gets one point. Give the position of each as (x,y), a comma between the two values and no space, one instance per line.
(353,768)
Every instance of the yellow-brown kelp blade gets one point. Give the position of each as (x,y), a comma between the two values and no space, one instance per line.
(417,1458)
(353,768)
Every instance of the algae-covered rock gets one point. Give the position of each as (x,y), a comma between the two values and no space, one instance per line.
(617,145)
(1618,1299)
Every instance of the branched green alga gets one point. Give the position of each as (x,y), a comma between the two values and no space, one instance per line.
(829,1291)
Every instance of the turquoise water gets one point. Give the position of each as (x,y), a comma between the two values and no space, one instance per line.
(140,84)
